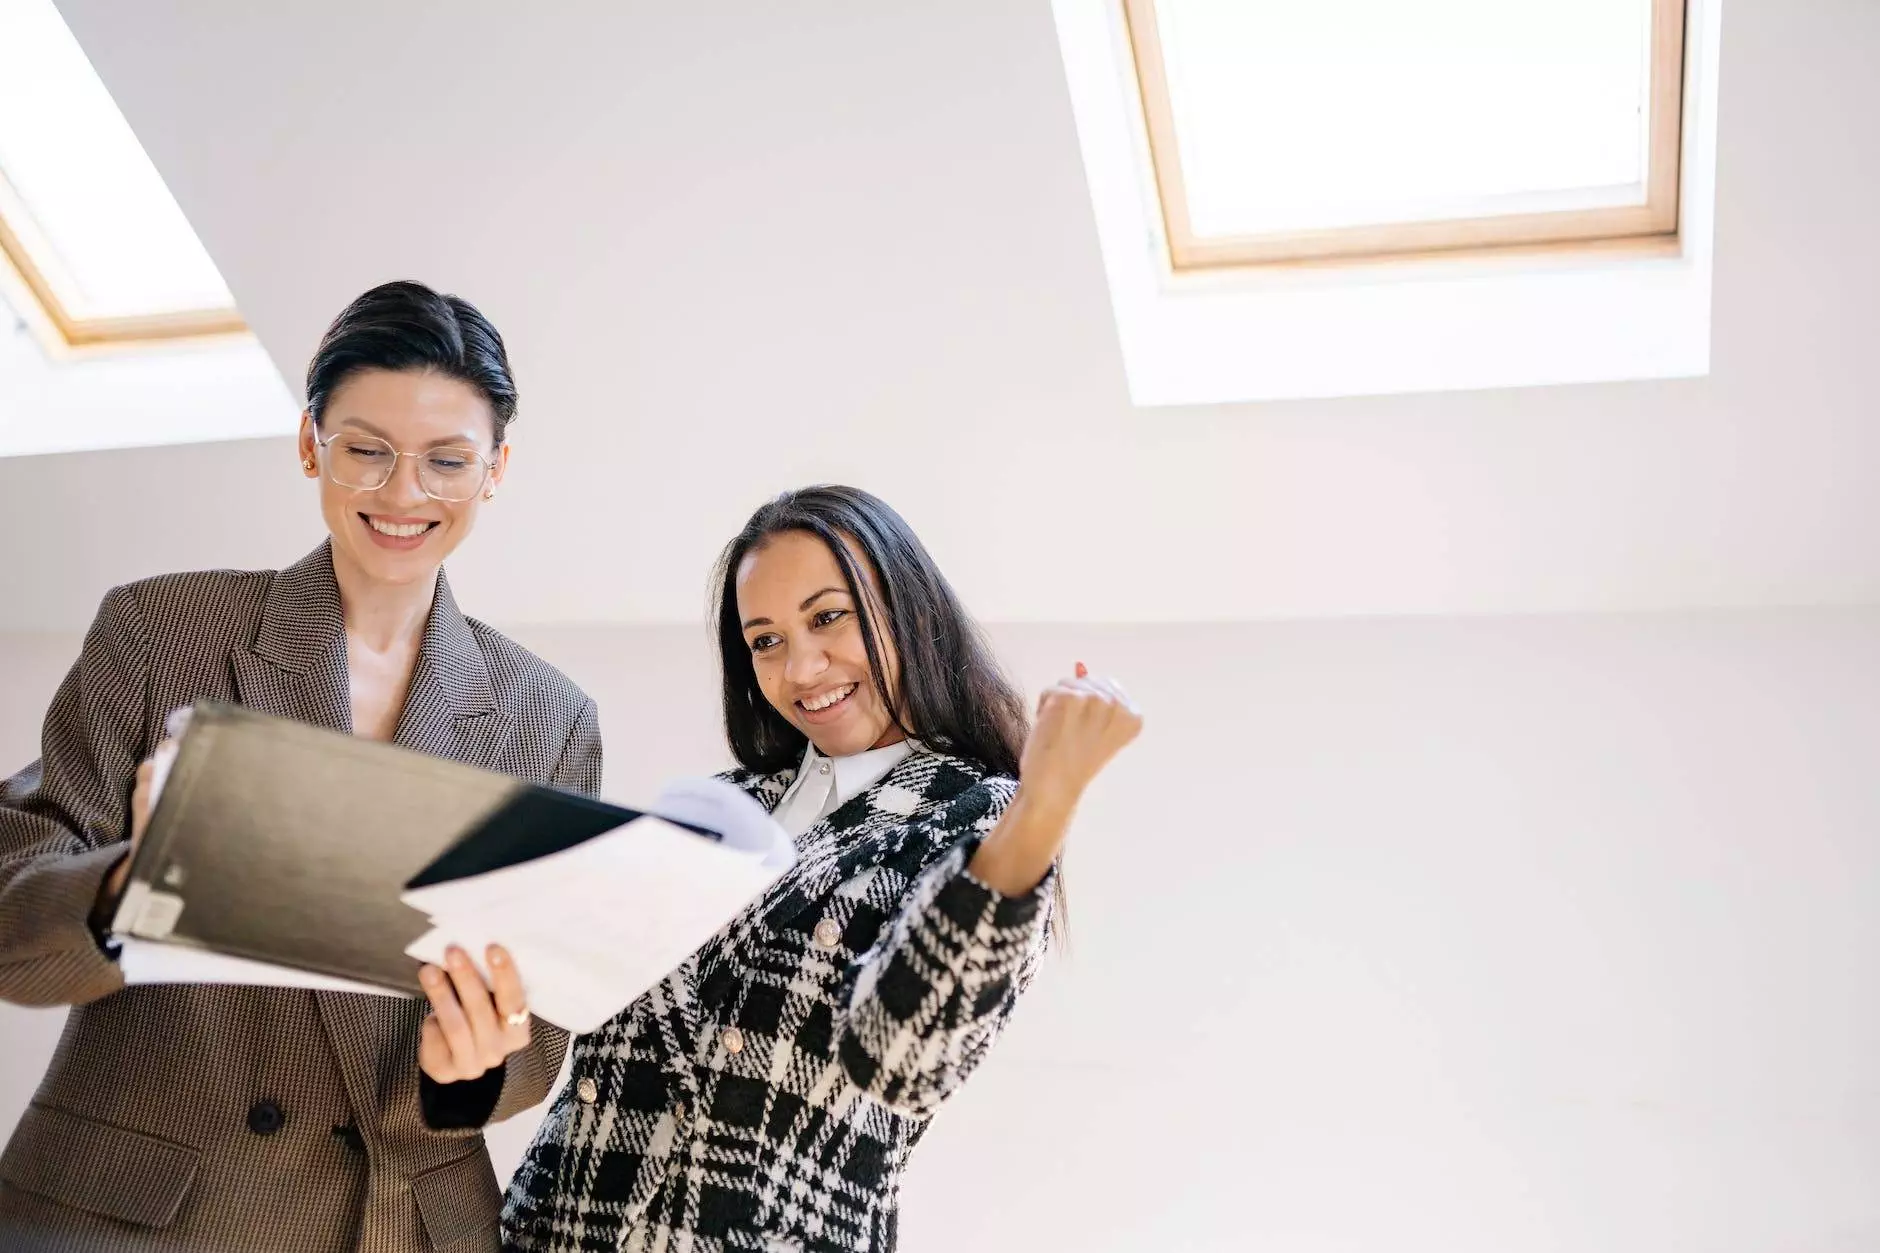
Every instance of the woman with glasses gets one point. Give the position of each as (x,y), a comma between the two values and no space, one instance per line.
(237,1117)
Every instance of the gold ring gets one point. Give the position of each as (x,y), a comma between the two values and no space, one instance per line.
(518,1019)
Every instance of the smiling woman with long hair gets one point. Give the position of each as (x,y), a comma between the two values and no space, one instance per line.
(769,1092)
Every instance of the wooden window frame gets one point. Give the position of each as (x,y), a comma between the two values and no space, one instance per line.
(63,332)
(1650,227)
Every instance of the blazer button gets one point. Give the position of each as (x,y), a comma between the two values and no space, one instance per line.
(828,934)
(265,1118)
(733,1040)
(679,1111)
(587,1090)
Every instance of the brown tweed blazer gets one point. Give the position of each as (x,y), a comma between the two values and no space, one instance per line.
(246,1118)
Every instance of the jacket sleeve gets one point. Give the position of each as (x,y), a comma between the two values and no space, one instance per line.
(65,818)
(524,1079)
(928,1000)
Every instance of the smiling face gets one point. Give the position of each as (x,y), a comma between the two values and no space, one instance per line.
(805,635)
(396,533)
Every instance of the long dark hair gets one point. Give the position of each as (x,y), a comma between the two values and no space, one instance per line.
(952,695)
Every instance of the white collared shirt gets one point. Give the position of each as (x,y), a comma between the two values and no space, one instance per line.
(824,784)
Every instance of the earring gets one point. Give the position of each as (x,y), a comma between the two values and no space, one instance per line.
(306,463)
(489,493)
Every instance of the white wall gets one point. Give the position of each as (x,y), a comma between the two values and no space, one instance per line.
(1479,936)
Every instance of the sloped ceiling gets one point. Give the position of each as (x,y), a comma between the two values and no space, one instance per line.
(741,246)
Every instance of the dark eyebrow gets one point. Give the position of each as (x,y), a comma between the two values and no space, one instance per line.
(802,608)
(827,591)
(453,441)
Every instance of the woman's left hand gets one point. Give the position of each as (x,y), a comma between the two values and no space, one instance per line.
(473,1026)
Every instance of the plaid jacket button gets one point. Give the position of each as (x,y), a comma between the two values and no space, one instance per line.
(828,934)
(733,1040)
(678,1111)
(587,1090)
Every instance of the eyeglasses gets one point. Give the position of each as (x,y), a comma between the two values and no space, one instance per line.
(367,463)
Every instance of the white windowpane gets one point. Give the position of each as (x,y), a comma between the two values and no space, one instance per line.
(1298,114)
(103,227)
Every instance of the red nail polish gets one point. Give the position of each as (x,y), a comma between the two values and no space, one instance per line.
(1083,671)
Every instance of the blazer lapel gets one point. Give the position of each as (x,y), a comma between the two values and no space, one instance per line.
(296,666)
(451,708)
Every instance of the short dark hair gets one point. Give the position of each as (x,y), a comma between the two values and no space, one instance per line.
(952,696)
(407,326)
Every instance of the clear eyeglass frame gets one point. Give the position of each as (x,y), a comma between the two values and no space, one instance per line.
(437,483)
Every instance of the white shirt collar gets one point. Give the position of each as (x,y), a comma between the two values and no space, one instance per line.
(824,784)
(857,772)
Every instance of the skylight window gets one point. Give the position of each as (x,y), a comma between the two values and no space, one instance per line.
(90,231)
(1281,131)
(1301,198)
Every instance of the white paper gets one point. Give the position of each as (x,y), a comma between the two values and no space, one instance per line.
(731,811)
(152,961)
(592,927)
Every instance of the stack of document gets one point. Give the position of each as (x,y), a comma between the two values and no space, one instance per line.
(287,855)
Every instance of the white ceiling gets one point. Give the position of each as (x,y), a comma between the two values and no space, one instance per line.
(741,246)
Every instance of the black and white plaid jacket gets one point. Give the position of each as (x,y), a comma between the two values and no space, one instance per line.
(767,1093)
